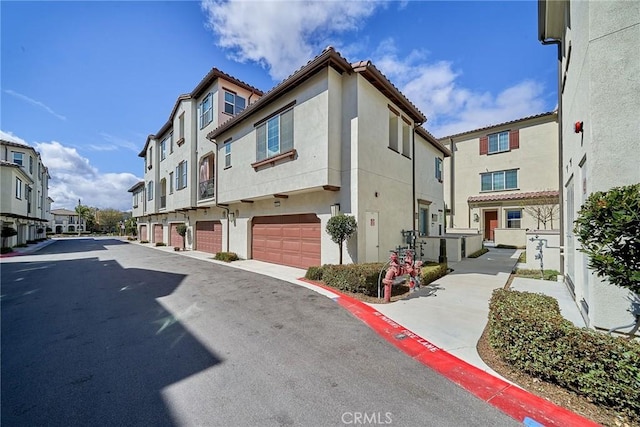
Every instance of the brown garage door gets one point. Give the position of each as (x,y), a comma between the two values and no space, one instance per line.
(143,233)
(174,238)
(209,236)
(157,233)
(288,239)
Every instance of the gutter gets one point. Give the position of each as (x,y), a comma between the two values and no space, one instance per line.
(558,43)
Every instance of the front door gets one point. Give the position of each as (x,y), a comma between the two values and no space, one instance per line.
(490,224)
(371,237)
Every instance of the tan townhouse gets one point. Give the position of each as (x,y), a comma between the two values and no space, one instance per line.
(333,137)
(502,180)
(599,104)
(66,221)
(25,203)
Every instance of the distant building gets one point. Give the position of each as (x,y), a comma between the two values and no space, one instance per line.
(24,202)
(67,221)
(599,102)
(502,179)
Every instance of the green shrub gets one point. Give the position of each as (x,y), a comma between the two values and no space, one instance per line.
(161,244)
(144,241)
(5,250)
(131,239)
(523,257)
(314,273)
(501,246)
(226,256)
(528,332)
(356,278)
(477,253)
(535,274)
(432,272)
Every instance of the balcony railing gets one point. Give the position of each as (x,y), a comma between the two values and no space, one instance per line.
(206,189)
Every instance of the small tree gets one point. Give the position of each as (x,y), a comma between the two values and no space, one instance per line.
(544,209)
(341,227)
(182,230)
(131,226)
(608,227)
(110,219)
(6,233)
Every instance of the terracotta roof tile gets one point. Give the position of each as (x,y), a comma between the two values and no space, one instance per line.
(535,116)
(513,196)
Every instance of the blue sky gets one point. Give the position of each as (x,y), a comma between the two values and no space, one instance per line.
(86,82)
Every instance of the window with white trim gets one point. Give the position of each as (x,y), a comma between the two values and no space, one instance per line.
(17,158)
(18,188)
(393,131)
(498,142)
(439,169)
(206,111)
(170,182)
(233,103)
(31,165)
(406,139)
(275,136)
(501,180)
(150,158)
(163,149)
(181,175)
(150,190)
(227,154)
(514,218)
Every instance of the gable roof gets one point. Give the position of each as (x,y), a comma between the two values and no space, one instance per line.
(433,141)
(485,128)
(551,194)
(63,211)
(328,58)
(211,76)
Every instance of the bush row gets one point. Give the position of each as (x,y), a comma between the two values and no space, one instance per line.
(479,252)
(363,278)
(528,332)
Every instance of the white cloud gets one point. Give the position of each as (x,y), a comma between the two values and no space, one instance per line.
(115,143)
(9,136)
(450,108)
(282,36)
(73,178)
(35,102)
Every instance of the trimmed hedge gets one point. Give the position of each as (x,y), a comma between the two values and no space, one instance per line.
(363,278)
(479,252)
(161,244)
(226,256)
(528,331)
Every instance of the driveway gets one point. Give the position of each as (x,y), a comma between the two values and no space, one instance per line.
(101,332)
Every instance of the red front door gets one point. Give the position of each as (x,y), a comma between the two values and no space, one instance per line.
(490,224)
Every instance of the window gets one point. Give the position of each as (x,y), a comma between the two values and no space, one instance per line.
(181,130)
(439,169)
(406,142)
(181,175)
(170,182)
(513,218)
(233,104)
(206,111)
(163,149)
(502,180)
(163,193)
(498,142)
(227,154)
(31,165)
(150,159)
(18,188)
(136,195)
(393,131)
(17,158)
(423,219)
(150,190)
(275,136)
(205,177)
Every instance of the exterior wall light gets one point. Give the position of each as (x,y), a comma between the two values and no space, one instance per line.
(476,217)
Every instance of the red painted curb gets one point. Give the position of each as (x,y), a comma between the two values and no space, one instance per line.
(512,400)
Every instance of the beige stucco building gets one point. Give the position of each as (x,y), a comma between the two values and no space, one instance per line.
(599,86)
(66,221)
(334,136)
(24,202)
(502,180)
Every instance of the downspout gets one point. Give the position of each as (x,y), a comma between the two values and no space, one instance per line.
(413,183)
(215,180)
(558,43)
(452,180)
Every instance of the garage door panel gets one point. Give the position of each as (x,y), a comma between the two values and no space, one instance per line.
(157,233)
(143,232)
(209,236)
(290,240)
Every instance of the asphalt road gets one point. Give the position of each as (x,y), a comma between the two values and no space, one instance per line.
(102,332)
